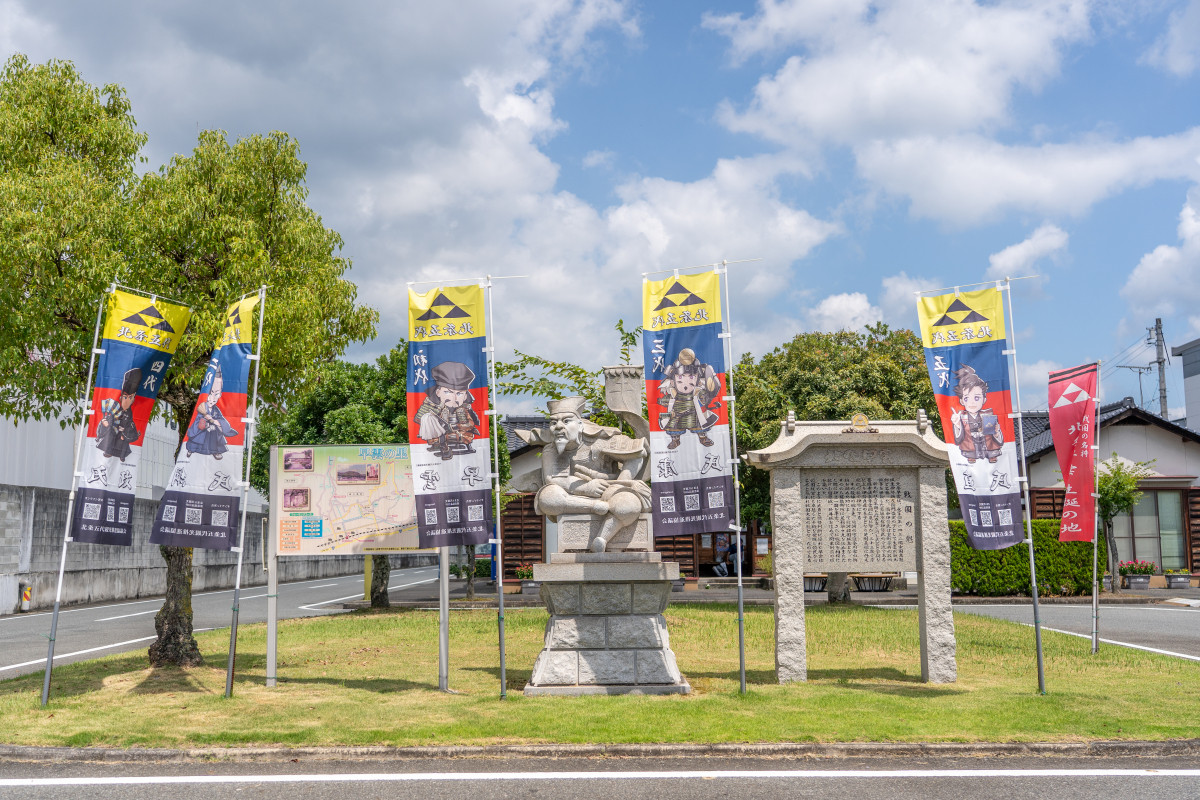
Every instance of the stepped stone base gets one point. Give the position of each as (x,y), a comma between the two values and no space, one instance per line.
(606,633)
(576,532)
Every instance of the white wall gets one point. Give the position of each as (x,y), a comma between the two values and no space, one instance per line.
(1173,455)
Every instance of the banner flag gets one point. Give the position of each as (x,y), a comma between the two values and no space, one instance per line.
(448,425)
(964,334)
(139,337)
(691,474)
(202,502)
(1073,428)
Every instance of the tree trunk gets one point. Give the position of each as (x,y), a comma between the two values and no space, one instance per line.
(381,573)
(173,623)
(471,572)
(837,587)
(1111,539)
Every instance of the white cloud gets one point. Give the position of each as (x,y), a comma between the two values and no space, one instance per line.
(1035,382)
(21,31)
(847,311)
(599,159)
(971,179)
(1020,259)
(898,302)
(900,68)
(1167,279)
(1178,49)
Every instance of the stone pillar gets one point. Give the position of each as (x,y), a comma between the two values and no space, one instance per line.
(933,565)
(791,655)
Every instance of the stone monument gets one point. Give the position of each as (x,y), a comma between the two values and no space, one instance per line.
(606,589)
(860,497)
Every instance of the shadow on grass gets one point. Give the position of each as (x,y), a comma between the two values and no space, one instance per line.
(857,679)
(514,679)
(758,677)
(376,685)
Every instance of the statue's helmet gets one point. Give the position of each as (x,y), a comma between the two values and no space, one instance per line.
(568,405)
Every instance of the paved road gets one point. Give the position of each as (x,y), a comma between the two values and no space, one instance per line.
(1159,628)
(96,630)
(1015,778)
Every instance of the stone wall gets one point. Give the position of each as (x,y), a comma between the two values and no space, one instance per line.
(32,521)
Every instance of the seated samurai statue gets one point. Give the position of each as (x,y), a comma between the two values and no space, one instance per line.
(589,469)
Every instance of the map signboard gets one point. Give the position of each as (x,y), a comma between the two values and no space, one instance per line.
(342,500)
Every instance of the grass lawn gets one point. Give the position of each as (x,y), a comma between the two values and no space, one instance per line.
(371,678)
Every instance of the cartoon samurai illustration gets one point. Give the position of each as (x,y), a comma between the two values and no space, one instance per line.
(691,387)
(976,429)
(209,429)
(116,431)
(446,420)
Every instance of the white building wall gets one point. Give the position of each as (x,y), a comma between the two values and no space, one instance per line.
(1173,455)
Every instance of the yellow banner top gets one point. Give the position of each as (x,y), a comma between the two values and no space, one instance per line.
(238,322)
(137,319)
(446,313)
(680,302)
(950,319)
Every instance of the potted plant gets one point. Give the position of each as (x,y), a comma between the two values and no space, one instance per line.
(524,573)
(1106,583)
(765,566)
(679,583)
(1136,573)
(1178,578)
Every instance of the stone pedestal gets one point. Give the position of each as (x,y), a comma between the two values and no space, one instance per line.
(606,633)
(576,532)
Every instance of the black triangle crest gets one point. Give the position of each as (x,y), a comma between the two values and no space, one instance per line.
(163,326)
(428,315)
(945,320)
(234,319)
(442,300)
(455,312)
(136,319)
(151,311)
(678,289)
(974,316)
(958,305)
(691,300)
(666,303)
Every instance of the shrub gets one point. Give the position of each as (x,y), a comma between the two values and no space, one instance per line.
(1063,568)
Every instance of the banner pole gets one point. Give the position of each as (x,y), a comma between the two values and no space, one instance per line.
(86,406)
(444,618)
(736,526)
(497,545)
(271,556)
(1024,478)
(1095,519)
(250,421)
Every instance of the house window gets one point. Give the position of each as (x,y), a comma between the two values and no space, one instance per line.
(1154,530)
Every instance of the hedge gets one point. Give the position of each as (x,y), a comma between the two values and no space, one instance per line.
(1063,568)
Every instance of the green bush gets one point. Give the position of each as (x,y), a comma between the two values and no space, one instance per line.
(1063,568)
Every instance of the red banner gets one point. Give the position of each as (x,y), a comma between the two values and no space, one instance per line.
(1073,428)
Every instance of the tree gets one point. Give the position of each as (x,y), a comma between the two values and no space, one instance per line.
(1119,493)
(879,372)
(344,404)
(204,230)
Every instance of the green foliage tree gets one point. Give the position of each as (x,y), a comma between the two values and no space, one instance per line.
(204,230)
(879,372)
(1119,493)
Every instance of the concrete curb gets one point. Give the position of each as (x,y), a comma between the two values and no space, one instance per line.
(1097,749)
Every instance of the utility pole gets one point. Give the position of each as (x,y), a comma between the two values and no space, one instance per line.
(1139,371)
(1161,348)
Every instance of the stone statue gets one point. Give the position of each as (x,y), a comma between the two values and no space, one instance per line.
(589,469)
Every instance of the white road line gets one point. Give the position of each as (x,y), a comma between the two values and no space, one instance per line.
(1121,644)
(459,777)
(323,586)
(57,656)
(316,606)
(125,616)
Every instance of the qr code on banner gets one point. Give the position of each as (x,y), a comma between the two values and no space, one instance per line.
(169,513)
(110,514)
(1005,516)
(691,502)
(220,518)
(123,514)
(716,499)
(986,517)
(666,504)
(431,516)
(91,511)
(974,517)
(452,514)
(192,516)
(475,513)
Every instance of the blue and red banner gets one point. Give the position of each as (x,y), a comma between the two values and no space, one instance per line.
(448,425)
(691,475)
(202,503)
(964,335)
(140,336)
(1073,428)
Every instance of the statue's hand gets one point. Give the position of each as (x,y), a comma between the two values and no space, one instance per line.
(593,488)
(431,427)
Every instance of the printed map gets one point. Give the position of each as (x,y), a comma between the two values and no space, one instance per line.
(342,500)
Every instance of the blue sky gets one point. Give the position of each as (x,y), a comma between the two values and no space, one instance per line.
(862,150)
